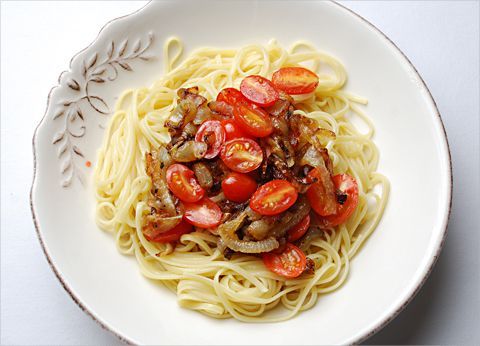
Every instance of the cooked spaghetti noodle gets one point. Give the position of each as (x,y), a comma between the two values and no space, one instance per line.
(195,269)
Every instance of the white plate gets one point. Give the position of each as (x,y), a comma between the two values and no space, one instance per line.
(385,274)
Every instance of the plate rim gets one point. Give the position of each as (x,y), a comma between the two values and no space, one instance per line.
(369,331)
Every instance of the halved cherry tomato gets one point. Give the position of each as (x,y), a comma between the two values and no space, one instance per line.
(182,182)
(297,231)
(295,80)
(274,197)
(212,133)
(203,214)
(252,119)
(348,185)
(238,187)
(259,90)
(290,263)
(242,155)
(231,96)
(322,202)
(174,234)
(232,130)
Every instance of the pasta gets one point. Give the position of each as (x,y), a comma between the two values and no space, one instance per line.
(195,269)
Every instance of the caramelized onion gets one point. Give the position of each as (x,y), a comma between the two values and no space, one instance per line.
(203,175)
(228,233)
(189,151)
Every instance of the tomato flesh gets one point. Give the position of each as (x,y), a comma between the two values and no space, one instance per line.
(274,197)
(323,203)
(203,214)
(182,182)
(253,120)
(295,80)
(231,96)
(242,155)
(232,130)
(238,187)
(172,235)
(212,133)
(297,231)
(290,263)
(347,185)
(259,90)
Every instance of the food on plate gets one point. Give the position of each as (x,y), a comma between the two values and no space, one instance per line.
(239,179)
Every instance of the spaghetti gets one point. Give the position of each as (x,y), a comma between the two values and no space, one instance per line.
(195,269)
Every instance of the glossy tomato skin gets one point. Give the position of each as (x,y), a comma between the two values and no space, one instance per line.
(182,182)
(297,231)
(238,187)
(295,80)
(291,263)
(231,96)
(232,130)
(274,197)
(348,185)
(242,155)
(172,235)
(213,134)
(253,120)
(203,214)
(259,90)
(316,195)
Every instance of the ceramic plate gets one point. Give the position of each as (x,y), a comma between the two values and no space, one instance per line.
(385,274)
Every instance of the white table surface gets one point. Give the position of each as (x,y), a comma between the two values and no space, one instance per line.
(37,41)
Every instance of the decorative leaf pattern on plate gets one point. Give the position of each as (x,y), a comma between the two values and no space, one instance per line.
(94,70)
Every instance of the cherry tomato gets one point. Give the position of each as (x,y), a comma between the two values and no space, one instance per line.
(259,90)
(232,130)
(203,214)
(174,234)
(274,197)
(324,204)
(238,187)
(212,133)
(295,80)
(348,185)
(253,120)
(242,155)
(297,231)
(231,96)
(182,182)
(290,263)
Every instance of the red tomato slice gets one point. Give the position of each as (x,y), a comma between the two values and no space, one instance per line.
(295,80)
(290,263)
(172,235)
(212,133)
(274,197)
(242,155)
(253,120)
(322,202)
(232,130)
(238,187)
(348,185)
(297,231)
(259,90)
(230,96)
(203,214)
(182,182)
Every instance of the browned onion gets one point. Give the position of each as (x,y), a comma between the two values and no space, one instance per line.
(291,217)
(189,151)
(203,175)
(156,224)
(230,238)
